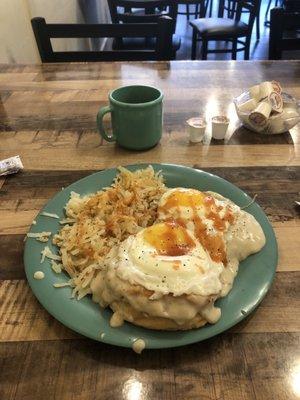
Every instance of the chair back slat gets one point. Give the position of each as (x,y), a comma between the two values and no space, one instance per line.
(291,21)
(282,22)
(140,19)
(121,10)
(101,31)
(251,7)
(162,30)
(238,7)
(141,3)
(243,5)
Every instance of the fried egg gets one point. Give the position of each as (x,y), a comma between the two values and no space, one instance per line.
(202,214)
(167,258)
(161,278)
(168,275)
(228,233)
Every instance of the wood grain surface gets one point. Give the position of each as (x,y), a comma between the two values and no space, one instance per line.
(47,116)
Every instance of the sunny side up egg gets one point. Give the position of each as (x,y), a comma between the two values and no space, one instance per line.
(167,258)
(169,275)
(200,213)
(162,272)
(228,233)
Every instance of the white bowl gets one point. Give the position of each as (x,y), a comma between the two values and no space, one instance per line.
(276,124)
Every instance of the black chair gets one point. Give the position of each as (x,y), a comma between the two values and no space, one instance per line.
(230,5)
(162,30)
(277,3)
(140,11)
(226,29)
(200,8)
(284,32)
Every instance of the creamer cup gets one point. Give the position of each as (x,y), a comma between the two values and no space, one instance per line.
(196,129)
(219,127)
(275,100)
(266,88)
(248,106)
(260,115)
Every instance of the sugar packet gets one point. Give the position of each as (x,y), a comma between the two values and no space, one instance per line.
(10,165)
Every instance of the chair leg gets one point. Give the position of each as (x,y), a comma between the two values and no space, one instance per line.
(230,5)
(229,9)
(247,50)
(233,9)
(210,8)
(234,48)
(257,25)
(268,9)
(204,49)
(194,44)
(188,12)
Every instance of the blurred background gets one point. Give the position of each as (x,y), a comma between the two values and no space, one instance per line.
(18,43)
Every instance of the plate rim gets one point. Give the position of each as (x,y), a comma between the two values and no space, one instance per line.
(156,344)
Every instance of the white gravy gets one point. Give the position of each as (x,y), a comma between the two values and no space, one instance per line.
(39,275)
(138,345)
(116,320)
(243,238)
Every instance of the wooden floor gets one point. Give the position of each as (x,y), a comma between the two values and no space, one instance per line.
(259,49)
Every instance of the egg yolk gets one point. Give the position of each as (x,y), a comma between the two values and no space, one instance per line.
(169,239)
(196,200)
(183,198)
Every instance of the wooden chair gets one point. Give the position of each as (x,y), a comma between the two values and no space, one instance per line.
(226,29)
(162,30)
(283,32)
(140,11)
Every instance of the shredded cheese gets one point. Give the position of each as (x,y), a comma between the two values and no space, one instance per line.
(63,284)
(67,221)
(43,239)
(250,203)
(46,252)
(57,268)
(51,215)
(40,236)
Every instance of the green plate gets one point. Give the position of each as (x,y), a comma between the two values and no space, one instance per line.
(250,286)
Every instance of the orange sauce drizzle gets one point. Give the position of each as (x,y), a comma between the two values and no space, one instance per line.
(169,239)
(192,198)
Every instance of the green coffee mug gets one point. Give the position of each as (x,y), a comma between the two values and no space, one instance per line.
(136,117)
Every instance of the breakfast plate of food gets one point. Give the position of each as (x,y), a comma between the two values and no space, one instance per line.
(151,256)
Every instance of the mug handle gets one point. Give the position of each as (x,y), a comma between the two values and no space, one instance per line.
(100,115)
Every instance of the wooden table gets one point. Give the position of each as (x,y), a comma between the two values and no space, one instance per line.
(47,116)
